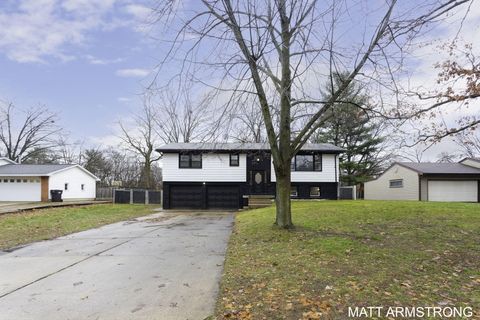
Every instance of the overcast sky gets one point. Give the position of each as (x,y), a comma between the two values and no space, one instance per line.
(89,60)
(83,58)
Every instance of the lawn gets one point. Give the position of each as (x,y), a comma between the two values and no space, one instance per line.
(29,226)
(352,253)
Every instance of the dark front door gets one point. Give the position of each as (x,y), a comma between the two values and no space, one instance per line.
(258,181)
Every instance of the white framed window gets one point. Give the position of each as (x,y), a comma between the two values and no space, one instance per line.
(66,187)
(82,187)
(396,183)
(314,191)
(293,191)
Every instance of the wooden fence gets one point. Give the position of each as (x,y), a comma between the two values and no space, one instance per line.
(105,193)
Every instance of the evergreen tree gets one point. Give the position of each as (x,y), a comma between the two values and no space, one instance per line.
(351,128)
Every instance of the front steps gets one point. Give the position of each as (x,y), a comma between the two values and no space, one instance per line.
(259,201)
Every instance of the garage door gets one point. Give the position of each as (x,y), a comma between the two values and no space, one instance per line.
(186,197)
(222,197)
(20,189)
(444,190)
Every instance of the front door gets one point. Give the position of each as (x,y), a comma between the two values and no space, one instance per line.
(258,179)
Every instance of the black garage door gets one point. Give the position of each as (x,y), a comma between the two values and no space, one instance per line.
(185,197)
(222,197)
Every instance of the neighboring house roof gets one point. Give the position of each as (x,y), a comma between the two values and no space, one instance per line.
(224,147)
(37,169)
(440,168)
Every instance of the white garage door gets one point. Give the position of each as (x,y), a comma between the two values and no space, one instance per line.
(444,190)
(20,189)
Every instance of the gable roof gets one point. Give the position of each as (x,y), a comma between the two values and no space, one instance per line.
(38,169)
(440,168)
(240,146)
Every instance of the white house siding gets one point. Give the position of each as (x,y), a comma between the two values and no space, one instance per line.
(215,168)
(379,189)
(22,189)
(75,177)
(326,175)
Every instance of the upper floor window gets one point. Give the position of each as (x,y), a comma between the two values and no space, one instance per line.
(190,160)
(234,160)
(307,162)
(396,183)
(66,186)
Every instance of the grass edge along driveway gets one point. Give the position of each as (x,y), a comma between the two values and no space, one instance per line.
(30,226)
(352,253)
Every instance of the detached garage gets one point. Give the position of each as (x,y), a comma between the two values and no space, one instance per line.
(451,182)
(33,182)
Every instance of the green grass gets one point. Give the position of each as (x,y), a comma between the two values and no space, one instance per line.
(29,226)
(351,253)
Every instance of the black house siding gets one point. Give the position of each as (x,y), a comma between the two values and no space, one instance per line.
(198,199)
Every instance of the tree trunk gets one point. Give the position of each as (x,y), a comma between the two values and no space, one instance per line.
(147,173)
(284,213)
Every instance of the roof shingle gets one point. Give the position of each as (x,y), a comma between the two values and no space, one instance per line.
(232,146)
(31,169)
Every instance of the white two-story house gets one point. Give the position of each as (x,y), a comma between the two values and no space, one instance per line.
(225,175)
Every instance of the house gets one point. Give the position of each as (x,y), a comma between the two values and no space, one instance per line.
(33,182)
(226,175)
(428,182)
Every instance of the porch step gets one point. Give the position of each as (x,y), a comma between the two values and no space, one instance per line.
(257,206)
(259,201)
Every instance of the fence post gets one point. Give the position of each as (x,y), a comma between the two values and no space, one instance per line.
(147,200)
(131,196)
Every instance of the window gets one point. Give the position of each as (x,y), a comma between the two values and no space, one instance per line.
(184,161)
(318,162)
(304,162)
(314,191)
(5,180)
(397,183)
(12,180)
(66,186)
(307,162)
(190,161)
(82,186)
(234,160)
(293,191)
(19,180)
(25,180)
(196,160)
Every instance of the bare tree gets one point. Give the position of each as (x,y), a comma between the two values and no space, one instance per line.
(26,133)
(278,49)
(469,143)
(247,123)
(178,117)
(142,138)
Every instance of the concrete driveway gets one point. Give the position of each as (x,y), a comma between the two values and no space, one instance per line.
(159,267)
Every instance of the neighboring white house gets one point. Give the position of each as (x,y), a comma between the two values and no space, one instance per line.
(225,175)
(458,182)
(33,182)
